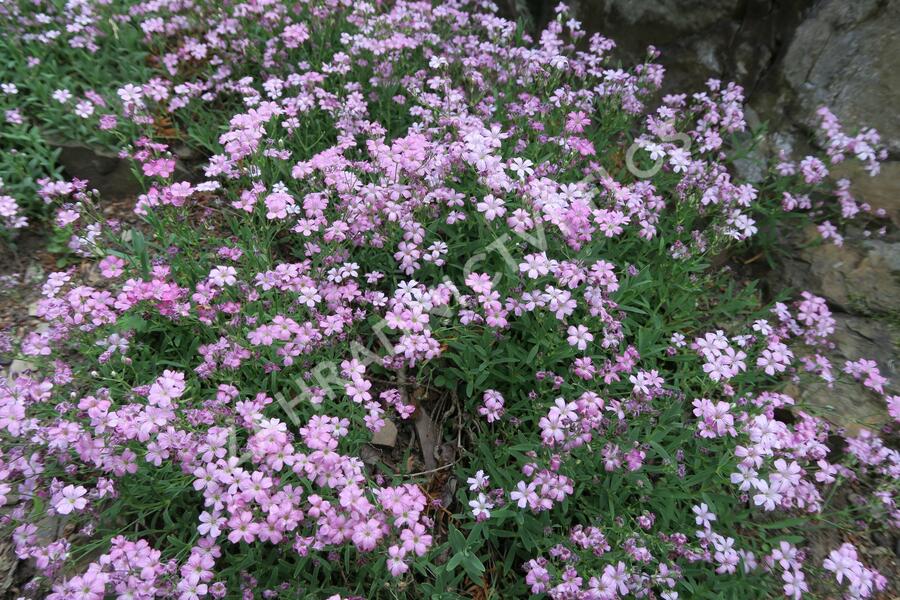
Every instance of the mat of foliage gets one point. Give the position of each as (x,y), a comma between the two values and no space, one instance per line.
(413,218)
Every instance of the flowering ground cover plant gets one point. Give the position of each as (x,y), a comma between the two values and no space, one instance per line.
(416,217)
(62,65)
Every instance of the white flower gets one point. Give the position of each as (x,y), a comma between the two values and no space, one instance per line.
(481,506)
(769,496)
(704,515)
(223,275)
(521,167)
(479,481)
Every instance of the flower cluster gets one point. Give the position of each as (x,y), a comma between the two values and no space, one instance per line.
(416,218)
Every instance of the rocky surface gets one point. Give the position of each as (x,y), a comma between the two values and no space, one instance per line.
(861,277)
(107,173)
(882,191)
(734,39)
(845,55)
(846,403)
(861,281)
(112,176)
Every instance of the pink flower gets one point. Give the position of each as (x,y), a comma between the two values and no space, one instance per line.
(294,35)
(111,266)
(395,564)
(160,167)
(492,207)
(704,516)
(168,387)
(367,535)
(71,498)
(524,494)
(478,482)
(843,562)
(794,584)
(492,409)
(579,336)
(84,109)
(242,527)
(278,204)
(415,540)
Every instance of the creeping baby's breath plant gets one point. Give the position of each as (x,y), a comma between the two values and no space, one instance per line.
(416,218)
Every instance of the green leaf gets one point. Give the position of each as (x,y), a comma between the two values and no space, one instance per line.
(473,567)
(457,540)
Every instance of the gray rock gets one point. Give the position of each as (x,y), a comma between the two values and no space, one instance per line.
(112,176)
(799,54)
(34,273)
(670,18)
(386,436)
(881,191)
(847,403)
(19,366)
(754,151)
(109,174)
(737,40)
(862,281)
(845,56)
(862,276)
